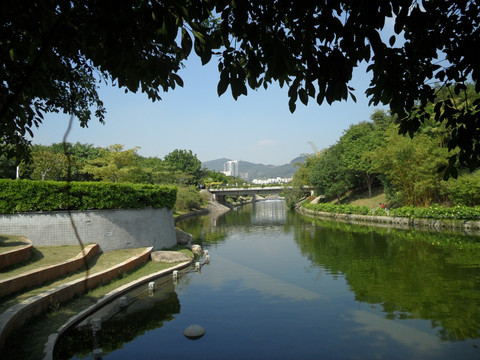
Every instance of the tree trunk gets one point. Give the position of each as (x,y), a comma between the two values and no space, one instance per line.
(369,183)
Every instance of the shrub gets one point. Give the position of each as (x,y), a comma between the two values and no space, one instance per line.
(27,196)
(292,196)
(188,198)
(380,212)
(465,190)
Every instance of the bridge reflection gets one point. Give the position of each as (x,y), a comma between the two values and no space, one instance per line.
(270,212)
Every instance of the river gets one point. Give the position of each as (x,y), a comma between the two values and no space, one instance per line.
(284,286)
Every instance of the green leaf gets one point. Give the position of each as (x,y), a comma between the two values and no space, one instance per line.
(303,96)
(352,96)
(391,41)
(186,42)
(222,86)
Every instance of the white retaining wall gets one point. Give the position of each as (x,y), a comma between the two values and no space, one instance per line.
(110,229)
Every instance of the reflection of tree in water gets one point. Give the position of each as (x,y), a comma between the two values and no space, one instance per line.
(411,274)
(143,315)
(204,229)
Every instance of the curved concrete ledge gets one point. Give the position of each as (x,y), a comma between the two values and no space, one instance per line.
(76,319)
(39,276)
(397,221)
(17,315)
(16,256)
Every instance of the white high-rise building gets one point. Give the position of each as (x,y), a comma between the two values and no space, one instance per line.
(230,168)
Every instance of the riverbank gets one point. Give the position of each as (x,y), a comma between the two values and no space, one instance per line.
(402,222)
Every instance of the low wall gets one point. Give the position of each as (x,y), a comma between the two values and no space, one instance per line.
(466,225)
(17,315)
(16,256)
(110,229)
(39,276)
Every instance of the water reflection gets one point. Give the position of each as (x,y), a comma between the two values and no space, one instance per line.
(283,286)
(407,274)
(149,311)
(379,328)
(268,212)
(248,278)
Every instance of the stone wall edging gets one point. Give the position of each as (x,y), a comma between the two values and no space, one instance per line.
(17,315)
(39,276)
(16,256)
(53,338)
(398,221)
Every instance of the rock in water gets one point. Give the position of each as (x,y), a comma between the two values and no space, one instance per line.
(194,332)
(183,238)
(197,249)
(169,256)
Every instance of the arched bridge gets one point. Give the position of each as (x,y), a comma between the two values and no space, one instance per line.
(220,194)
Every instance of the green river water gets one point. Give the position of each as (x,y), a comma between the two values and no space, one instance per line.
(284,286)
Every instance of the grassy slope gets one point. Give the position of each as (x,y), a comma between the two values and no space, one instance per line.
(42,256)
(361,198)
(9,243)
(28,341)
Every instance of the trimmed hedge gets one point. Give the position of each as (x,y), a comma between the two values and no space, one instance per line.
(436,212)
(27,196)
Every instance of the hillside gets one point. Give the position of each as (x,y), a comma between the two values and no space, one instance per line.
(257,171)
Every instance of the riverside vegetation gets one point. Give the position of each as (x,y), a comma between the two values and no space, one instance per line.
(415,173)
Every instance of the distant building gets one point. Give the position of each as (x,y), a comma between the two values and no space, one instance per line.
(277,180)
(243,175)
(230,168)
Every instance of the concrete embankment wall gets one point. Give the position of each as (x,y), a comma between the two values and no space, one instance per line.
(397,221)
(110,229)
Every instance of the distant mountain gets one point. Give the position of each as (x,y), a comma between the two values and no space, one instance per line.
(215,165)
(257,171)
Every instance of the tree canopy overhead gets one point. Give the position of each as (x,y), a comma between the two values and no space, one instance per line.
(54,52)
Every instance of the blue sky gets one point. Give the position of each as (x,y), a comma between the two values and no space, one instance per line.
(258,128)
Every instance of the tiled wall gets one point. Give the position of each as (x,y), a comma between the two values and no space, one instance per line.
(110,229)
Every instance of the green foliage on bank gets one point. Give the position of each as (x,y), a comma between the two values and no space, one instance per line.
(188,198)
(28,196)
(338,209)
(436,212)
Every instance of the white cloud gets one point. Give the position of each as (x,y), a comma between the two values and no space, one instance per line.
(265,143)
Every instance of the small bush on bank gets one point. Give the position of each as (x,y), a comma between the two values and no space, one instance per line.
(380,212)
(292,196)
(188,198)
(465,190)
(29,196)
